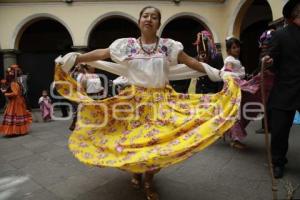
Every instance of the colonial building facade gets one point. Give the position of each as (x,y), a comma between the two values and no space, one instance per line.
(33,33)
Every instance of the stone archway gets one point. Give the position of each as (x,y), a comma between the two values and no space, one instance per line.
(111,28)
(184,29)
(42,40)
(241,12)
(255,21)
(108,30)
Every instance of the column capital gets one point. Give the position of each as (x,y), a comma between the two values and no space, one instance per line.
(80,49)
(9,51)
(9,57)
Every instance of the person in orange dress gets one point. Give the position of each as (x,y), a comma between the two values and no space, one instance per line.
(16,118)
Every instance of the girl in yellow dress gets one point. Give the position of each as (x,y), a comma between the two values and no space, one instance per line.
(148,126)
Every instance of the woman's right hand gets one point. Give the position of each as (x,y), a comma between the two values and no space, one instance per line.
(267,60)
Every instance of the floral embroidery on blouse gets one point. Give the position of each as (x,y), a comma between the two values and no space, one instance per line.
(132,48)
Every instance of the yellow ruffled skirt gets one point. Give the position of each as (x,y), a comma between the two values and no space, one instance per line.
(145,129)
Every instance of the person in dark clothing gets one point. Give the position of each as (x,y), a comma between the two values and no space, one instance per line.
(181,86)
(207,52)
(265,45)
(204,85)
(285,95)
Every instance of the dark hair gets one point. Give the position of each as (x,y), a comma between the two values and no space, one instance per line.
(296,11)
(156,10)
(231,41)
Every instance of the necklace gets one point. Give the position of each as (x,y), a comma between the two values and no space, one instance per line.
(153,50)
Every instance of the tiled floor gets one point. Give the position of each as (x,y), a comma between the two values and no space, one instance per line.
(40,166)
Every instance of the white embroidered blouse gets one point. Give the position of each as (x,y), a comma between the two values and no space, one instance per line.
(143,69)
(140,68)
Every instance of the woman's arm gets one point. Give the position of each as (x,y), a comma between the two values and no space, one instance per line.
(98,54)
(15,90)
(213,73)
(190,62)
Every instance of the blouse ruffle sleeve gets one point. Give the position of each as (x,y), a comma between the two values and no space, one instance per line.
(174,48)
(119,50)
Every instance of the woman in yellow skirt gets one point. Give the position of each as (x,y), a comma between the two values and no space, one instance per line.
(148,126)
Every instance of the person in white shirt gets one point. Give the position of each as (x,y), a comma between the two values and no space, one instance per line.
(91,82)
(119,83)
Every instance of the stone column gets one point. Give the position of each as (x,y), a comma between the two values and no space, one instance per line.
(9,57)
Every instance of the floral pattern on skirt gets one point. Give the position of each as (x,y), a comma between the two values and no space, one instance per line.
(251,93)
(145,129)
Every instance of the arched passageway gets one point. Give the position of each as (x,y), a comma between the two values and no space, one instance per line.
(40,43)
(255,22)
(107,31)
(183,29)
(110,29)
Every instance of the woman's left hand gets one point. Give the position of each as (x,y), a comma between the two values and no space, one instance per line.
(67,61)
